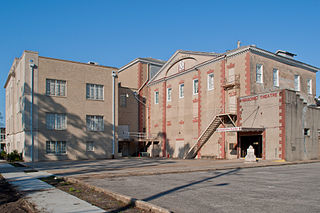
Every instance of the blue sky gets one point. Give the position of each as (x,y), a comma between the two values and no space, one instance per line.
(115,32)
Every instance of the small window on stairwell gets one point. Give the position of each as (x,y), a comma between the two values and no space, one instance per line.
(306,131)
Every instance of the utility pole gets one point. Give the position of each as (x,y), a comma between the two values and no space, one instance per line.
(114,76)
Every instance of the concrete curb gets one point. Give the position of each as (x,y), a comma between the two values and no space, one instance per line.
(245,166)
(123,198)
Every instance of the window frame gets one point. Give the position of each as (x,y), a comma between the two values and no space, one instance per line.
(123,100)
(309,86)
(93,122)
(210,81)
(169,94)
(55,118)
(181,90)
(56,83)
(277,74)
(90,144)
(195,86)
(59,147)
(156,97)
(95,90)
(259,74)
(297,83)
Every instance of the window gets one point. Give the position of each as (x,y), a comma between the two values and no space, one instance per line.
(95,123)
(306,131)
(195,86)
(181,66)
(94,92)
(210,81)
(275,77)
(181,90)
(123,100)
(259,73)
(56,147)
(56,121)
(89,146)
(169,91)
(156,97)
(297,83)
(55,87)
(309,86)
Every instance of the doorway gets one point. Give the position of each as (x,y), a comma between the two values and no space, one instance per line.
(255,141)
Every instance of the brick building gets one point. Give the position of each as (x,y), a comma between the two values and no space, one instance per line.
(206,105)
(72,109)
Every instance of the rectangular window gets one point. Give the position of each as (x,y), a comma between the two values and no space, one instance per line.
(297,83)
(55,87)
(56,147)
(309,86)
(123,100)
(169,91)
(156,97)
(275,77)
(95,123)
(89,146)
(259,73)
(195,86)
(56,121)
(94,92)
(210,81)
(181,90)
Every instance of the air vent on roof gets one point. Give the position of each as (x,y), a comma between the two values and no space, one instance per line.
(285,54)
(92,62)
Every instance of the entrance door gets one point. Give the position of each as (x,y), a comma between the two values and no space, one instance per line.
(255,141)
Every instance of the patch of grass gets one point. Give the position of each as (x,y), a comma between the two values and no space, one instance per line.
(71,189)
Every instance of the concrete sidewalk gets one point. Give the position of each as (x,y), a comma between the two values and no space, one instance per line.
(45,197)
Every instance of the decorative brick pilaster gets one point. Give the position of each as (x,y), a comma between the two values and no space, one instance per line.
(164,119)
(199,109)
(247,75)
(223,107)
(282,124)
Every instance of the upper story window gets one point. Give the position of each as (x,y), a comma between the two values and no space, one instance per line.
(210,81)
(259,73)
(156,97)
(95,123)
(275,77)
(195,86)
(181,66)
(297,83)
(123,100)
(56,121)
(55,87)
(309,86)
(94,92)
(169,92)
(181,90)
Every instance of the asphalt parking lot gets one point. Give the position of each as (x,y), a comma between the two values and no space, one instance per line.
(288,188)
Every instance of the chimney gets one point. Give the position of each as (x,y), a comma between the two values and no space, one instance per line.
(238,43)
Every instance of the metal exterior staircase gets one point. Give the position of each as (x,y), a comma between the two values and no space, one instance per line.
(204,137)
(212,127)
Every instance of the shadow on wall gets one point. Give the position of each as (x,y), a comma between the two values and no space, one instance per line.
(75,135)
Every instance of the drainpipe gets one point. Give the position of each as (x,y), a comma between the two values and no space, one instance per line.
(114,75)
(32,66)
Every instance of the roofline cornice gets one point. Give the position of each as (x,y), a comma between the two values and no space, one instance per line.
(139,60)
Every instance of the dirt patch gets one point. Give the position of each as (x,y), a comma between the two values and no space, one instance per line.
(92,196)
(12,201)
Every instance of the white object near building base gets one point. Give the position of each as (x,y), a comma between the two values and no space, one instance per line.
(250,157)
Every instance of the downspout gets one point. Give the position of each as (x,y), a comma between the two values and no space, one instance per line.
(114,75)
(32,66)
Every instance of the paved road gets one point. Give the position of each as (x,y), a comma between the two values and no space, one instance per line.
(289,188)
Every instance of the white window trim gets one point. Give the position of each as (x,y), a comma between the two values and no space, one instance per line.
(95,122)
(156,97)
(277,83)
(208,82)
(55,121)
(298,86)
(95,88)
(181,86)
(55,148)
(195,93)
(261,79)
(87,146)
(309,86)
(55,85)
(169,97)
